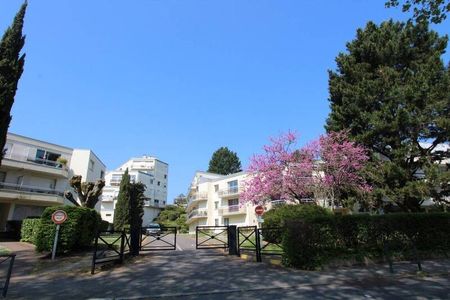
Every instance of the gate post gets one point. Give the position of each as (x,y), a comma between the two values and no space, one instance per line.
(258,244)
(232,240)
(135,237)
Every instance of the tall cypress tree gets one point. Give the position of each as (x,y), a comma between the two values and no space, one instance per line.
(11,68)
(122,210)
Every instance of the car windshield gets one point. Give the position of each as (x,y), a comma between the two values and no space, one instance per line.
(153,226)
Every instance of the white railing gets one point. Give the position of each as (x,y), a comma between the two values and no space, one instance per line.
(230,191)
(29,189)
(232,209)
(39,161)
(198,196)
(198,213)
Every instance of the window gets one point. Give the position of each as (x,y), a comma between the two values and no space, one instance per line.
(165,176)
(233,205)
(216,205)
(216,188)
(151,181)
(226,221)
(108,215)
(159,183)
(102,174)
(46,157)
(164,202)
(91,165)
(2,176)
(233,186)
(156,201)
(216,222)
(8,149)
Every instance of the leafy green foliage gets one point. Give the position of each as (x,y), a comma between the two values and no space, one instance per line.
(122,210)
(434,11)
(11,68)
(314,242)
(224,162)
(29,230)
(279,215)
(391,91)
(173,216)
(77,232)
(136,193)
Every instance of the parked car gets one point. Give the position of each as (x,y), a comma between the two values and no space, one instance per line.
(153,229)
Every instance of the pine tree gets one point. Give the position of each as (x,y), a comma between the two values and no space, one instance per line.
(122,210)
(11,68)
(224,162)
(391,91)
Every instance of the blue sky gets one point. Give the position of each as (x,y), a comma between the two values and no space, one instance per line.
(180,78)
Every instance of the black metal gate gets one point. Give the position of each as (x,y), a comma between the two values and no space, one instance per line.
(261,241)
(6,260)
(211,237)
(164,239)
(110,247)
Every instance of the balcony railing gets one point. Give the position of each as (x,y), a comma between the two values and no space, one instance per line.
(198,214)
(198,196)
(39,161)
(230,191)
(29,189)
(232,210)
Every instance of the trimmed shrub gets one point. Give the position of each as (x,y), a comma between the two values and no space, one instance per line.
(76,233)
(279,215)
(30,227)
(104,225)
(313,242)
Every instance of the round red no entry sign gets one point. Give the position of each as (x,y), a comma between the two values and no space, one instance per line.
(259,210)
(59,217)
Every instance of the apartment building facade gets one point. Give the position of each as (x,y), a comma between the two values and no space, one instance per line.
(148,170)
(34,175)
(214,200)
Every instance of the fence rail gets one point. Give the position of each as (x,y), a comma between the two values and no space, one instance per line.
(5,259)
(110,247)
(261,241)
(165,239)
(211,237)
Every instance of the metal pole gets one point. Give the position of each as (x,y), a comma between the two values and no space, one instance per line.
(55,242)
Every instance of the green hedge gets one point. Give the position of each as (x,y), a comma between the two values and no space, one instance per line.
(76,233)
(312,243)
(279,215)
(29,230)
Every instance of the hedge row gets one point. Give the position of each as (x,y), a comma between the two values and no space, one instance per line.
(313,242)
(77,232)
(29,230)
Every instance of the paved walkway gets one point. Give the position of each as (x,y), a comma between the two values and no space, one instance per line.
(208,274)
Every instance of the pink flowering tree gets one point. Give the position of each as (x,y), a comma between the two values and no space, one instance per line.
(281,172)
(322,169)
(340,168)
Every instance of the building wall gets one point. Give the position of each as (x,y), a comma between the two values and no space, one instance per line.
(147,170)
(32,178)
(215,190)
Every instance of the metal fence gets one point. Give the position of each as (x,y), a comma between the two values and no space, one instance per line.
(261,241)
(211,237)
(110,247)
(7,263)
(164,239)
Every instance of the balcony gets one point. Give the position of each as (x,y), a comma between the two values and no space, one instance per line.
(232,210)
(108,198)
(21,162)
(197,214)
(150,203)
(25,193)
(195,197)
(230,192)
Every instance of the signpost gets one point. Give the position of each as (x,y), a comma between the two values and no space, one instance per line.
(58,217)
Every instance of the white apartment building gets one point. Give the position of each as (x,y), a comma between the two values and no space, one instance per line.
(213,200)
(147,170)
(34,175)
